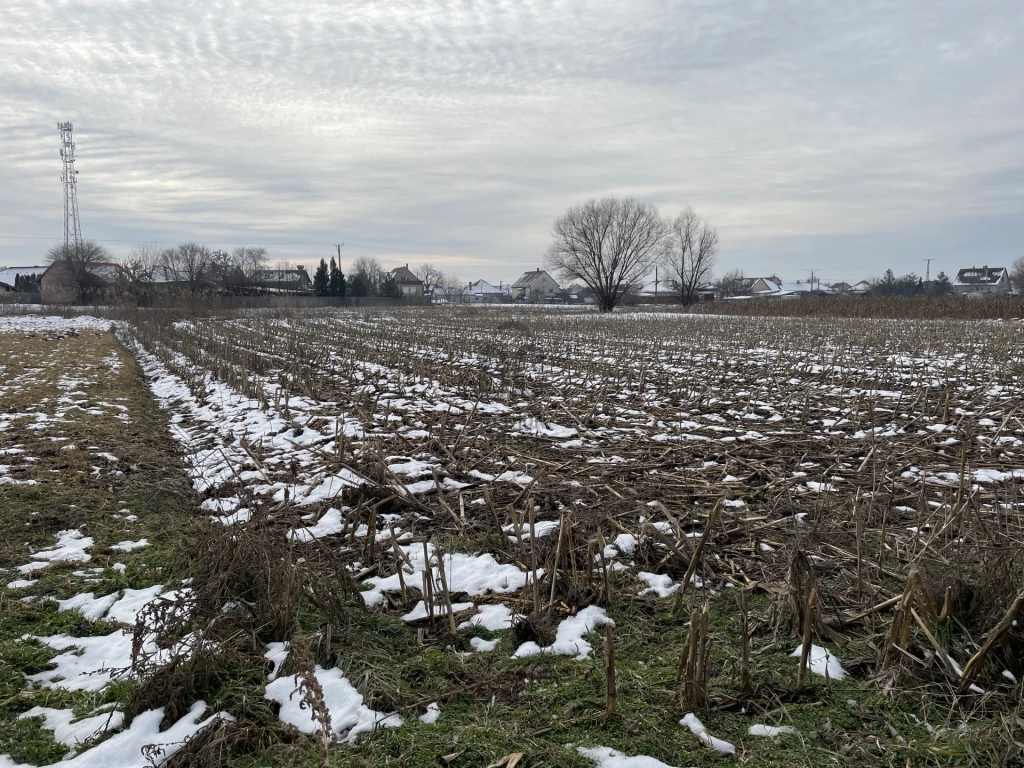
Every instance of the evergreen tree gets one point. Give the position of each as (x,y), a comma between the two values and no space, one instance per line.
(942,285)
(359,287)
(389,287)
(335,281)
(320,279)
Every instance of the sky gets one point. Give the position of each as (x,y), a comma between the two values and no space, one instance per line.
(841,136)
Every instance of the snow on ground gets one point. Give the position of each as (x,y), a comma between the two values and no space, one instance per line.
(430,716)
(473,575)
(696,727)
(142,745)
(51,324)
(821,662)
(72,732)
(569,637)
(771,730)
(493,616)
(349,716)
(606,757)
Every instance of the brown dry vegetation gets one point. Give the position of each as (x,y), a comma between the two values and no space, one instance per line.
(873,307)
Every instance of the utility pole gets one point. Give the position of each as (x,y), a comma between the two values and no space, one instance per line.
(338,246)
(655,284)
(813,271)
(928,270)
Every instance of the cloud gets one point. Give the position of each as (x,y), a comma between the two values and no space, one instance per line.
(457,130)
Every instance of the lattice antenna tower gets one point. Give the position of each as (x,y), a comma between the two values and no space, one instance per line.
(72,227)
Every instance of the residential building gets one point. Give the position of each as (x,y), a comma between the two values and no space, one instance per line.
(982,282)
(285,280)
(482,292)
(763,286)
(407,282)
(535,286)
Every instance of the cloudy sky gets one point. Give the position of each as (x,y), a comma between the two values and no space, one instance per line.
(845,136)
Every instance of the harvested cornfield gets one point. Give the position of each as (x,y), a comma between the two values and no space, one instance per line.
(458,537)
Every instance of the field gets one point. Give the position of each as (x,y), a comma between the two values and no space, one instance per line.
(496,537)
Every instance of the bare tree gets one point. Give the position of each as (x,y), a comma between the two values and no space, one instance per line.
(80,262)
(732,283)
(369,271)
(429,274)
(690,255)
(606,244)
(251,261)
(1017,274)
(454,289)
(193,265)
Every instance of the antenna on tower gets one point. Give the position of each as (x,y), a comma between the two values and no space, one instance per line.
(72,227)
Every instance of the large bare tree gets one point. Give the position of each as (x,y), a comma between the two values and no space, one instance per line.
(608,245)
(251,261)
(193,264)
(429,274)
(80,261)
(690,253)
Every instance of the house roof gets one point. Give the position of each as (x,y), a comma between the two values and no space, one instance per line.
(164,274)
(405,275)
(104,270)
(979,276)
(7,275)
(529,278)
(297,275)
(770,285)
(482,286)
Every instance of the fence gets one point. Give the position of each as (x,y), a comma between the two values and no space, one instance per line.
(18,297)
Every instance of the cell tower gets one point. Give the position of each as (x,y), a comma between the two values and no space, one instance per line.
(72,228)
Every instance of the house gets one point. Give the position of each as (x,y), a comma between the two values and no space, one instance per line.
(407,282)
(860,288)
(762,285)
(60,284)
(482,292)
(15,278)
(535,286)
(982,282)
(285,280)
(789,289)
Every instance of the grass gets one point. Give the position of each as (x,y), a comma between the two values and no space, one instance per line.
(70,494)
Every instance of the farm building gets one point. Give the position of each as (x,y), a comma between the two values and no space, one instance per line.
(407,282)
(535,286)
(982,282)
(63,283)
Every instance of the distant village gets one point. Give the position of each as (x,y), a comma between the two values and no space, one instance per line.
(61,283)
